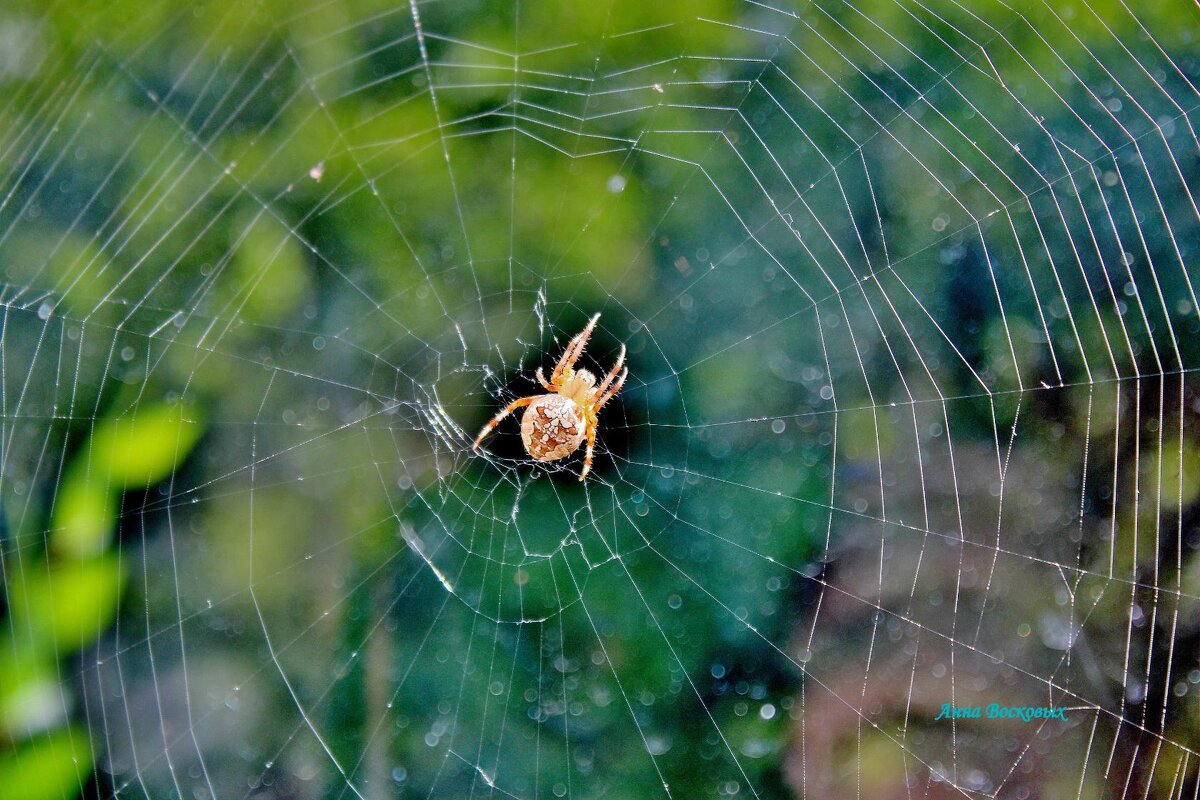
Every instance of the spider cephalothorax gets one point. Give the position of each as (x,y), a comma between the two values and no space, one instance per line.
(555,424)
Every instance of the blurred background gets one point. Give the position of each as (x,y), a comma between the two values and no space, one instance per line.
(908,291)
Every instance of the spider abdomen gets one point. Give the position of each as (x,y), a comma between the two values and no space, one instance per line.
(552,427)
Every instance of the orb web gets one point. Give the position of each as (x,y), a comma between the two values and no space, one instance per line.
(911,416)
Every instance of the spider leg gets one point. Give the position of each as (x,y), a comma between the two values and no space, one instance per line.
(542,380)
(508,409)
(611,392)
(573,351)
(608,379)
(590,429)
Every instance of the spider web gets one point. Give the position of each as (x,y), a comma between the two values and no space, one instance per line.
(911,417)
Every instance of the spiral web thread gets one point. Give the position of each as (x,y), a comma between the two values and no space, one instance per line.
(810,373)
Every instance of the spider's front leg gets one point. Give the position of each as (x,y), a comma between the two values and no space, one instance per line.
(508,409)
(612,392)
(573,351)
(612,374)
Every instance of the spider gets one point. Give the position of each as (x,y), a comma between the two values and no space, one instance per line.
(555,424)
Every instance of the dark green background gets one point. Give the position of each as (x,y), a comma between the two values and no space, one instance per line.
(908,292)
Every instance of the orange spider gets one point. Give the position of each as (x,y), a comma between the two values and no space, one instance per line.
(555,424)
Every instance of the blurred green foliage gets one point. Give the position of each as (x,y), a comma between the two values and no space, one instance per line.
(260,207)
(47,767)
(62,599)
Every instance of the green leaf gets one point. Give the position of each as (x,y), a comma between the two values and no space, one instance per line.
(269,264)
(85,515)
(47,768)
(31,699)
(69,605)
(139,451)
